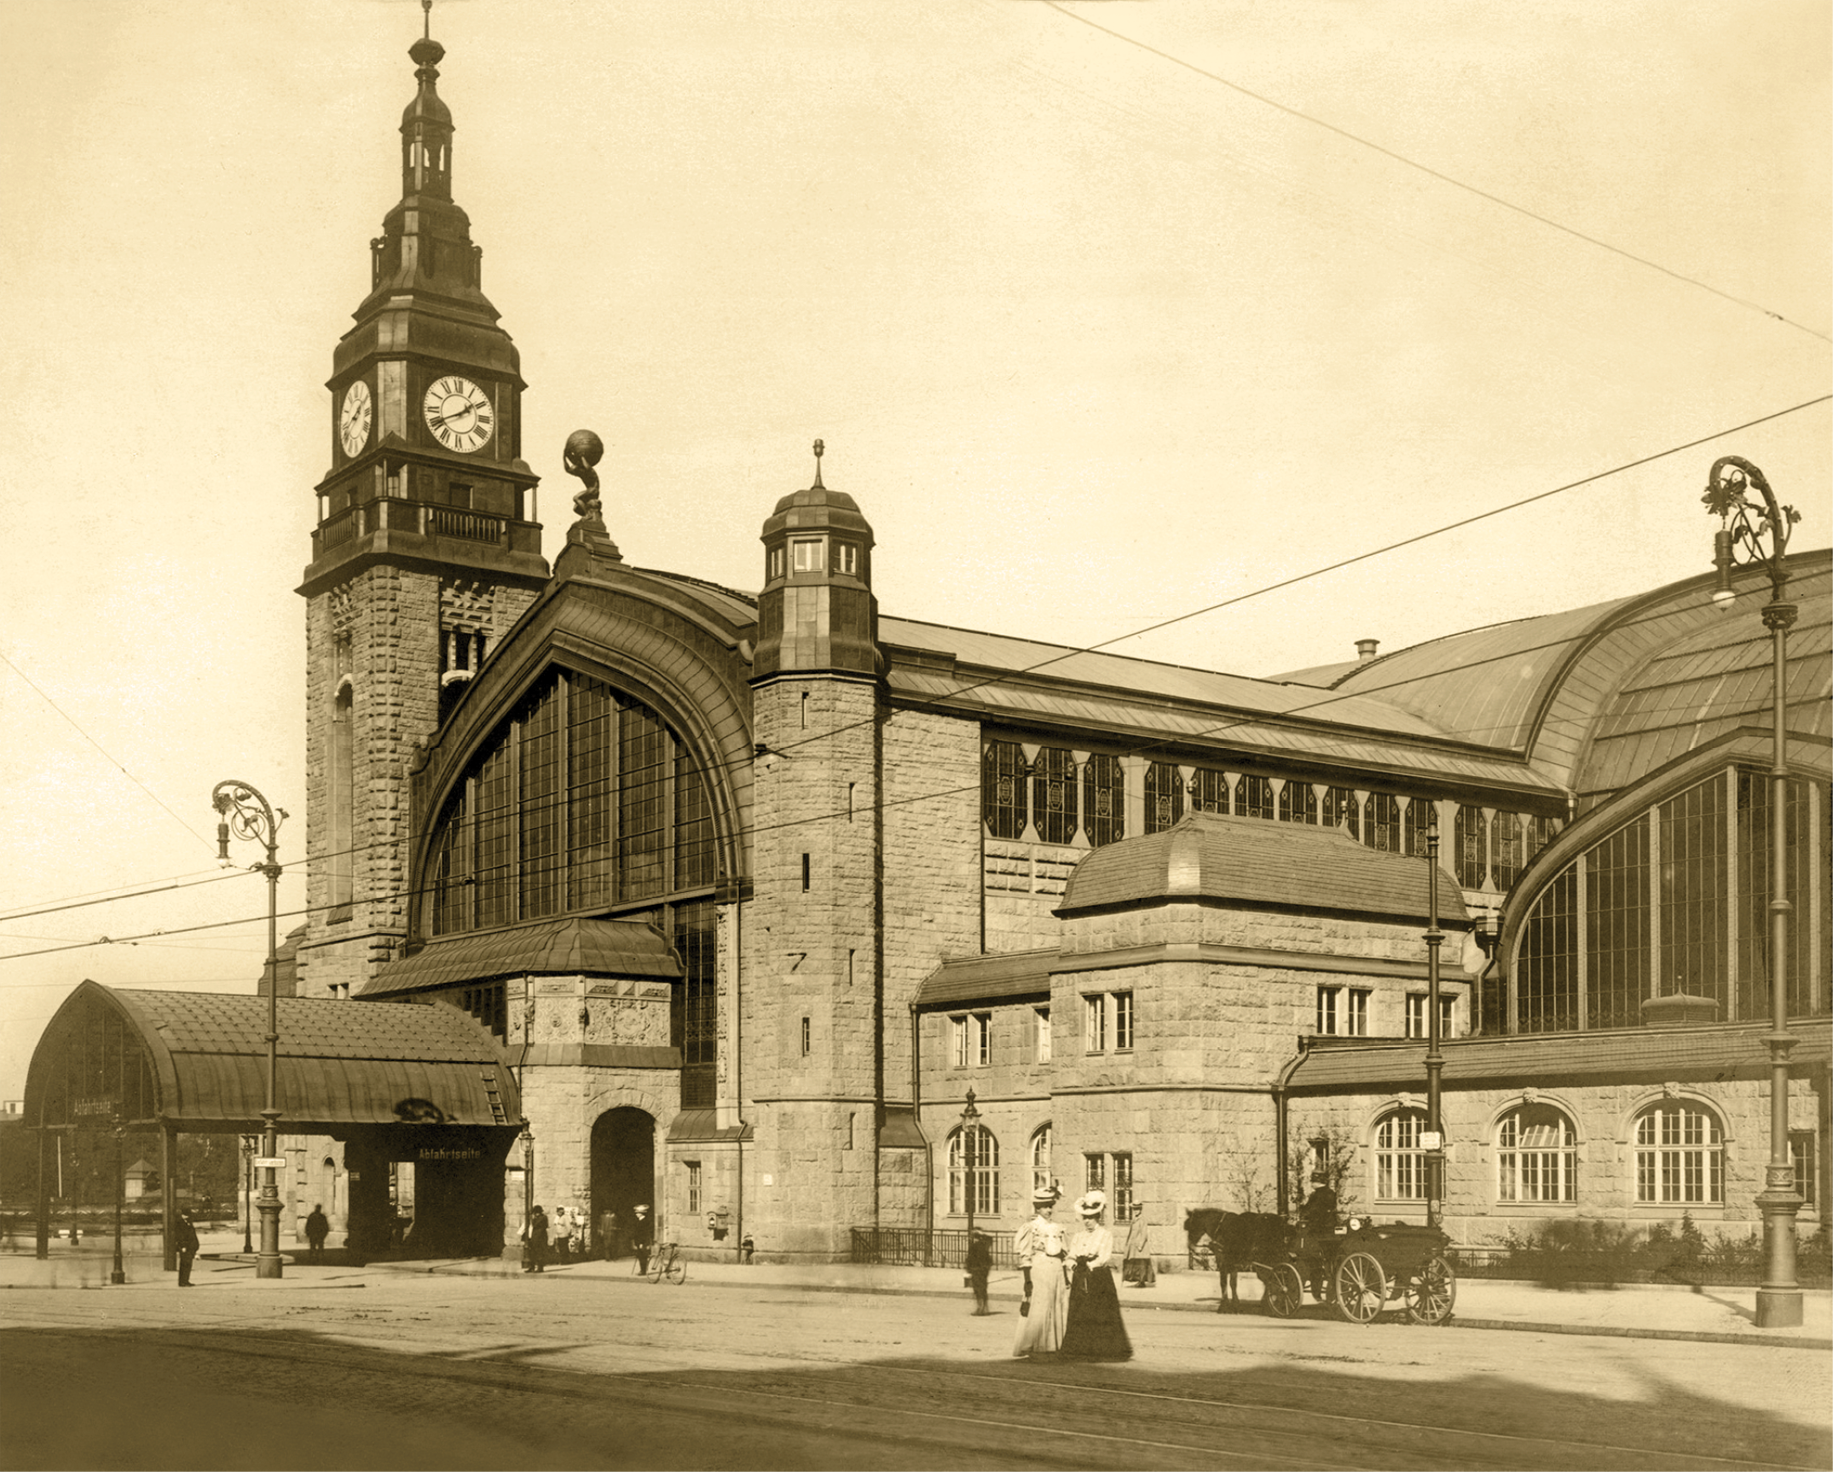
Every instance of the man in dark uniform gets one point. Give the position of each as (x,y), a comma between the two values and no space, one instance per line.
(185,1239)
(317,1228)
(642,1238)
(1318,1220)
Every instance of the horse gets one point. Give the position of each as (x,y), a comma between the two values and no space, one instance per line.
(1237,1238)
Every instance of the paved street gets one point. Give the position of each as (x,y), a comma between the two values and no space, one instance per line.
(343,1367)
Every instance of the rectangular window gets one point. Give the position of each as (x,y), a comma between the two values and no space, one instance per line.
(983,1038)
(1122,1202)
(1416,1014)
(1042,1014)
(957,1037)
(806,554)
(1094,1024)
(1123,1022)
(805,1037)
(693,1187)
(846,559)
(1356,1021)
(1094,1172)
(1801,1152)
(1327,999)
(776,563)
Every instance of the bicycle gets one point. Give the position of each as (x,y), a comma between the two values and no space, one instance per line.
(667,1263)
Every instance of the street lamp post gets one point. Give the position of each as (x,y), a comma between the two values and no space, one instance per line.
(119,1272)
(528,1172)
(248,1170)
(1434,1142)
(970,1131)
(243,811)
(1754,533)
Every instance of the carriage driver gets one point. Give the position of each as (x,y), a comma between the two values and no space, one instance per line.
(1318,1220)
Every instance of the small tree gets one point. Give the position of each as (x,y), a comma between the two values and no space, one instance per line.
(1328,1150)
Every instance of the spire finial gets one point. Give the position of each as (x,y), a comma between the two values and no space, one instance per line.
(426,28)
(820,449)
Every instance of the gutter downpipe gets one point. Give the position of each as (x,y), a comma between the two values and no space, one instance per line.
(1282,1125)
(737,1034)
(916,1116)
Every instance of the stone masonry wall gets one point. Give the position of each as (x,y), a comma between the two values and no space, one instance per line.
(1603,1116)
(811,956)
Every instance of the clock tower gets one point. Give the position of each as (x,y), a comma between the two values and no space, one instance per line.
(425,550)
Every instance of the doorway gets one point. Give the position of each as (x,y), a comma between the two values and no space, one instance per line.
(623,1171)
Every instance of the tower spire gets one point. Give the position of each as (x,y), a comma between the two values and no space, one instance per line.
(426,126)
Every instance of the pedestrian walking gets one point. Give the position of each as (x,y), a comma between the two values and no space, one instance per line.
(979,1265)
(317,1228)
(1093,1330)
(563,1234)
(642,1238)
(1040,1247)
(1136,1265)
(607,1234)
(184,1238)
(534,1242)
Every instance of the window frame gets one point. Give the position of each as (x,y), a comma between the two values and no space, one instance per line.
(1523,1170)
(1121,1006)
(1661,1162)
(973,1167)
(1399,1160)
(1094,1023)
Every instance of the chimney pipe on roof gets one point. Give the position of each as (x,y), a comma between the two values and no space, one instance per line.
(1365,649)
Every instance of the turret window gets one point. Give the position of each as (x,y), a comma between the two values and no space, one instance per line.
(774,564)
(846,559)
(806,553)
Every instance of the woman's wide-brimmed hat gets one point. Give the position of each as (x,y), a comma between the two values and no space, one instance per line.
(1093,1204)
(1045,1196)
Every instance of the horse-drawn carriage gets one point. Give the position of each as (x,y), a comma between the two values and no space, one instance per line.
(1361,1270)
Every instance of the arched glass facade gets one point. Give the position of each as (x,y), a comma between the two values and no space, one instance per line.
(1677,901)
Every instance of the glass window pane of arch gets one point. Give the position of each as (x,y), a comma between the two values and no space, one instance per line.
(1381,822)
(1693,905)
(1208,791)
(1297,804)
(1536,1155)
(1164,796)
(1341,810)
(1546,968)
(1680,1157)
(1254,797)
(1400,1164)
(1053,795)
(1002,789)
(973,1171)
(1103,799)
(1617,927)
(1041,1178)
(1470,846)
(1506,847)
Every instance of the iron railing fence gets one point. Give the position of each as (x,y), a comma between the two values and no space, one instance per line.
(915,1247)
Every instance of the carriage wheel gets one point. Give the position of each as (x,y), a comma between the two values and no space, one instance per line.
(1431,1291)
(1361,1288)
(1285,1292)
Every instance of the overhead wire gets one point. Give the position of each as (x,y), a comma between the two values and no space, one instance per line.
(1433,173)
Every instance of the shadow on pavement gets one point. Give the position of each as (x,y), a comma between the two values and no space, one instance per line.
(227,1398)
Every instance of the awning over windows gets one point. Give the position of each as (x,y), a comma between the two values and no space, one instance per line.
(198,1061)
(547,948)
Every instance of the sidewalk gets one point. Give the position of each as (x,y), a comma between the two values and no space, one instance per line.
(1643,1311)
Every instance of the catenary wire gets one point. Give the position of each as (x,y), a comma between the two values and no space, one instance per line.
(1433,173)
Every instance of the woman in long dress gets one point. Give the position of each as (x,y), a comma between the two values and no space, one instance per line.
(1093,1330)
(1039,1247)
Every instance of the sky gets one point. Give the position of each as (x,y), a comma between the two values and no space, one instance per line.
(1109,312)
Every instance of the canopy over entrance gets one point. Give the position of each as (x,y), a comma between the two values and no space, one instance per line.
(197,1061)
(405,1082)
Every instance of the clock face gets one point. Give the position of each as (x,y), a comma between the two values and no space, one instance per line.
(353,420)
(459,414)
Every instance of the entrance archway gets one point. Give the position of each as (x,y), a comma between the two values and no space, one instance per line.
(623,1169)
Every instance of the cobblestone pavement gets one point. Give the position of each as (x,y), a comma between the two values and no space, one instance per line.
(344,1367)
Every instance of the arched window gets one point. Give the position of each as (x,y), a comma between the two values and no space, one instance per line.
(1536,1155)
(341,861)
(583,799)
(1341,810)
(1400,1164)
(1413,825)
(1254,797)
(1053,795)
(1002,789)
(1104,804)
(1164,796)
(973,1171)
(1040,1160)
(1296,804)
(1680,1156)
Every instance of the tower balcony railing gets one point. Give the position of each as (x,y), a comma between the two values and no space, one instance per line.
(419,518)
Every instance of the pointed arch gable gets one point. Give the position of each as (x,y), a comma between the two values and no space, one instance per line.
(650,641)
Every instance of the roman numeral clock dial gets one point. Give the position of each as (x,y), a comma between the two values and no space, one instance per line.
(459,414)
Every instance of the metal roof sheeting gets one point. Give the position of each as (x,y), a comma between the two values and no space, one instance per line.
(571,947)
(1010,977)
(337,1064)
(1708,1051)
(1250,861)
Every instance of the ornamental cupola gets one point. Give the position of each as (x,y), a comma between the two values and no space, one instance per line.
(426,128)
(816,613)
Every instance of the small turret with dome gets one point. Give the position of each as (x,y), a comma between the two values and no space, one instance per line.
(816,612)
